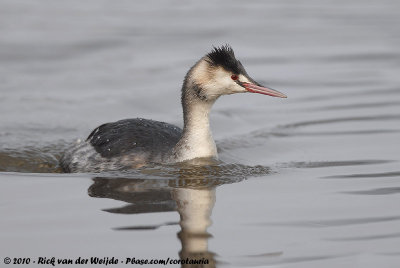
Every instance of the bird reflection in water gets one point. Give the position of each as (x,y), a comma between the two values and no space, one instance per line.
(189,190)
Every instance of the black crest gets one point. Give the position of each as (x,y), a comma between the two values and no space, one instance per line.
(225,57)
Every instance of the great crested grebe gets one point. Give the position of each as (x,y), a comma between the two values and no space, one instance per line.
(132,143)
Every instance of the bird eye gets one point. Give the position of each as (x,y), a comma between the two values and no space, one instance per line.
(234,77)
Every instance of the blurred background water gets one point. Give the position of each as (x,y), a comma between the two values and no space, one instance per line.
(308,181)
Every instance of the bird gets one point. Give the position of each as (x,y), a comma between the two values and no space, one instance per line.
(134,143)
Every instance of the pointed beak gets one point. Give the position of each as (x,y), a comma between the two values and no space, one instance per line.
(257,88)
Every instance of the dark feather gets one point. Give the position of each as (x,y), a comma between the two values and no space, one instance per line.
(225,57)
(134,136)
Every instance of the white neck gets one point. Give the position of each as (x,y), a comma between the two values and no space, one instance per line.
(196,140)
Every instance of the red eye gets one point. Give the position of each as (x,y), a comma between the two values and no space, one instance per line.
(234,77)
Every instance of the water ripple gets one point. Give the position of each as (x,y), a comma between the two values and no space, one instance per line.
(353,57)
(258,137)
(332,133)
(279,259)
(364,238)
(363,92)
(333,222)
(359,105)
(144,227)
(46,160)
(342,119)
(323,164)
(365,175)
(31,159)
(378,191)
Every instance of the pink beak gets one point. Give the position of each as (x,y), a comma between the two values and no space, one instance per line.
(263,90)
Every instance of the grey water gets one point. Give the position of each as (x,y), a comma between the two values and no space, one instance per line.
(308,181)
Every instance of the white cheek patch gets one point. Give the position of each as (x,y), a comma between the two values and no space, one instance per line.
(222,77)
(219,83)
(216,81)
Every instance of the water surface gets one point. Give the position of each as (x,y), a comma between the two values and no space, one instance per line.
(308,181)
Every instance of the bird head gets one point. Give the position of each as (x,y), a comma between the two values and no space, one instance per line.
(220,73)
